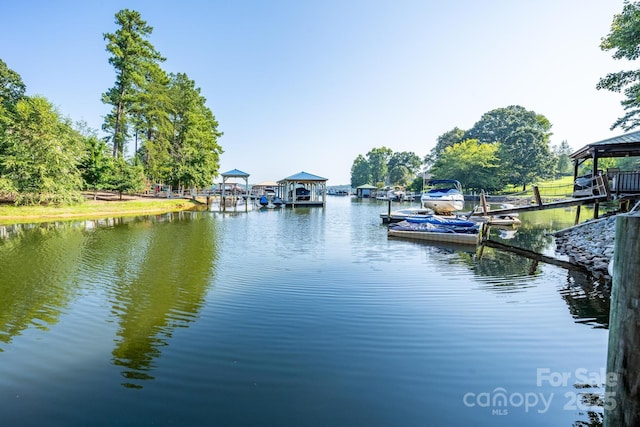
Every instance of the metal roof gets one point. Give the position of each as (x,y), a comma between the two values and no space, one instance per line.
(618,146)
(235,173)
(304,176)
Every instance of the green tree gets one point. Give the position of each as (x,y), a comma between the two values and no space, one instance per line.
(150,112)
(11,87)
(360,172)
(41,152)
(11,91)
(134,59)
(499,124)
(524,143)
(445,140)
(194,147)
(527,154)
(628,163)
(125,177)
(564,166)
(403,167)
(378,159)
(471,163)
(624,40)
(96,164)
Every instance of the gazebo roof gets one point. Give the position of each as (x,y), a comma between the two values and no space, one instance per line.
(618,146)
(367,187)
(304,176)
(235,173)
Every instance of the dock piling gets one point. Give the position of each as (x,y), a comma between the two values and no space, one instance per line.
(536,194)
(622,397)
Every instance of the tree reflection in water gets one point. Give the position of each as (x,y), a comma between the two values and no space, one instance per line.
(161,289)
(157,276)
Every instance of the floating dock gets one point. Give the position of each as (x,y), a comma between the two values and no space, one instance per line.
(436,237)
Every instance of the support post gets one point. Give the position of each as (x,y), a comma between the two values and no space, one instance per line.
(577,221)
(483,203)
(536,194)
(622,398)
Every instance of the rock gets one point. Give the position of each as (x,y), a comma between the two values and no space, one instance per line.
(589,244)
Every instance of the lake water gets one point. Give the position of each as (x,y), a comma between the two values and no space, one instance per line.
(292,317)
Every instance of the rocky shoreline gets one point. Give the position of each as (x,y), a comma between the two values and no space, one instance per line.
(589,245)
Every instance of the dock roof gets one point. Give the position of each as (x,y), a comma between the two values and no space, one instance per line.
(235,173)
(618,146)
(304,176)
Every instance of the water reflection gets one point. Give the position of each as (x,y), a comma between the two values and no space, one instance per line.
(502,271)
(157,276)
(162,289)
(38,264)
(587,298)
(302,306)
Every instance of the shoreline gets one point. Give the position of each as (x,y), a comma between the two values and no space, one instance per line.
(589,244)
(105,205)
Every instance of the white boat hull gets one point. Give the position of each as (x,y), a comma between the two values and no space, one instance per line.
(443,204)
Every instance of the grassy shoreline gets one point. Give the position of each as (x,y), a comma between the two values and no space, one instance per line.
(10,214)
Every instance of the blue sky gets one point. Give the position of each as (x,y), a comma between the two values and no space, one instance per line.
(309,85)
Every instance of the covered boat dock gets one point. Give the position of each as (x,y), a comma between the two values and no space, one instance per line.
(598,185)
(622,185)
(303,189)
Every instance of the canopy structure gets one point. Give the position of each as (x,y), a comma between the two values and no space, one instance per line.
(234,173)
(365,190)
(303,189)
(627,145)
(623,184)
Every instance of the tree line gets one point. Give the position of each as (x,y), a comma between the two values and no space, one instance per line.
(381,166)
(45,158)
(507,146)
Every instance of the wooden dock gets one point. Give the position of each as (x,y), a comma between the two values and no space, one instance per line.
(540,206)
(599,193)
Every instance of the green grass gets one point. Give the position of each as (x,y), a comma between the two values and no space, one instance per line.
(549,189)
(10,214)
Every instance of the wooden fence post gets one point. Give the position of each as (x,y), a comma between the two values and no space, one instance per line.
(622,398)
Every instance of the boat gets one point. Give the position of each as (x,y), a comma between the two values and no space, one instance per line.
(437,229)
(277,201)
(266,202)
(443,196)
(438,220)
(500,220)
(402,214)
(395,194)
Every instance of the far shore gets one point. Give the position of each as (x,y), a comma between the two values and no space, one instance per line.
(105,205)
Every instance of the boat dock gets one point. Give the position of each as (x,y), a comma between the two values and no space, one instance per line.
(599,193)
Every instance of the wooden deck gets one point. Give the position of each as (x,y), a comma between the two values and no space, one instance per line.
(600,192)
(549,205)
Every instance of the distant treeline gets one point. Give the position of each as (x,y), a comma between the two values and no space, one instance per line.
(507,146)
